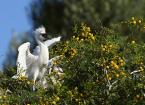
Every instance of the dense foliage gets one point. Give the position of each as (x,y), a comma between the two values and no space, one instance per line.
(98,70)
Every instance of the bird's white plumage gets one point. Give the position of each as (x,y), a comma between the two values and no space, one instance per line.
(52,41)
(21,61)
(34,65)
(40,30)
(36,51)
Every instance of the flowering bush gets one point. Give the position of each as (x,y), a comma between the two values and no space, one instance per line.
(98,70)
(135,28)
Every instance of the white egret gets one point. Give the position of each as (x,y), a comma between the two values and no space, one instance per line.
(35,65)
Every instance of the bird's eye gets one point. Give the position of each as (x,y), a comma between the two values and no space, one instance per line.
(44,35)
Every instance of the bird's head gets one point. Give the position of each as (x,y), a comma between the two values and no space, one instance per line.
(40,34)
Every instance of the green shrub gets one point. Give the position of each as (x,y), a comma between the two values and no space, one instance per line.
(98,70)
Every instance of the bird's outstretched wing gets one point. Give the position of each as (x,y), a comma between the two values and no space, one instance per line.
(21,59)
(24,59)
(52,41)
(36,50)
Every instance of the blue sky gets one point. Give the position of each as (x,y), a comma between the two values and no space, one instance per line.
(13,16)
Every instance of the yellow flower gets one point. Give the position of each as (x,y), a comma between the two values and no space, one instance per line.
(54,62)
(57,98)
(4,96)
(88,29)
(121,60)
(132,18)
(109,78)
(139,21)
(28,82)
(77,38)
(141,63)
(122,73)
(133,42)
(82,39)
(110,46)
(141,68)
(112,62)
(105,46)
(107,67)
(81,94)
(122,64)
(134,22)
(77,100)
(73,36)
(70,93)
(117,75)
(74,50)
(116,67)
(93,38)
(22,78)
(103,49)
(83,34)
(137,96)
(53,102)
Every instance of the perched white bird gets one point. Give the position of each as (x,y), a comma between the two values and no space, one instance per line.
(35,65)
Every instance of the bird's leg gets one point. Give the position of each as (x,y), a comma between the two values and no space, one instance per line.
(35,77)
(34,86)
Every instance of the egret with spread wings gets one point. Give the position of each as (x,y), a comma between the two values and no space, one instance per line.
(34,65)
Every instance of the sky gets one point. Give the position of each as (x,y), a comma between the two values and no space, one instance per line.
(13,16)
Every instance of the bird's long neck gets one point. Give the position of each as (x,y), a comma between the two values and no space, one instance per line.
(44,54)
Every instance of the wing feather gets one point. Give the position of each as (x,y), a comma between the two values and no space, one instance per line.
(24,59)
(52,41)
